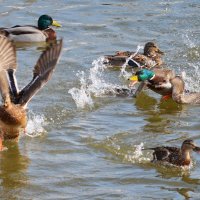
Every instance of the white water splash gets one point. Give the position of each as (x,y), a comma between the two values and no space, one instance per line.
(94,85)
(35,125)
(192,80)
(81,96)
(123,72)
(137,155)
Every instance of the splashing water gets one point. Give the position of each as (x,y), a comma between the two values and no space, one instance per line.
(123,72)
(94,85)
(35,125)
(137,155)
(81,96)
(192,80)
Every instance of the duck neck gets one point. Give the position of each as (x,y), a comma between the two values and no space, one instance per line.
(178,88)
(155,79)
(186,155)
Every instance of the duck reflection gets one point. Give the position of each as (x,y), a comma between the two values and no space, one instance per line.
(13,167)
(157,111)
(185,186)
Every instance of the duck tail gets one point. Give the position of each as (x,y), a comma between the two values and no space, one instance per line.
(42,72)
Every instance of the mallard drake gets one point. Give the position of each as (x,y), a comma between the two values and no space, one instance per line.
(165,83)
(13,117)
(174,155)
(150,58)
(158,80)
(28,33)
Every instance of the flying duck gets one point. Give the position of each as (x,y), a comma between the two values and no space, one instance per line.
(13,116)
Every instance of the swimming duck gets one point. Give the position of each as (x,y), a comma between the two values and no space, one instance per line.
(150,58)
(174,155)
(28,33)
(13,117)
(179,95)
(158,80)
(165,83)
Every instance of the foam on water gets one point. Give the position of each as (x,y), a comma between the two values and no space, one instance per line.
(136,156)
(35,125)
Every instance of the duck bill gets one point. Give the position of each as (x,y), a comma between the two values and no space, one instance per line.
(160,52)
(133,80)
(55,23)
(197,149)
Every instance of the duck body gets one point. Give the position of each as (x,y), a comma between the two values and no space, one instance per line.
(157,80)
(28,33)
(150,58)
(25,34)
(13,119)
(179,95)
(13,116)
(174,155)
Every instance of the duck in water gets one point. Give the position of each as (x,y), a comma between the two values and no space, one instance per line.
(28,33)
(150,58)
(174,155)
(158,80)
(166,83)
(13,116)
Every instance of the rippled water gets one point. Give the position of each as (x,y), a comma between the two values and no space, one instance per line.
(90,148)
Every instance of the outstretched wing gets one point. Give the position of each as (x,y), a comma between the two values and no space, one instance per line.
(42,72)
(8,65)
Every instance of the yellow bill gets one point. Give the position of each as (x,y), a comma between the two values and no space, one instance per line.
(133,78)
(55,23)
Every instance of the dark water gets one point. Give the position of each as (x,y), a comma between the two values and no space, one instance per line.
(94,151)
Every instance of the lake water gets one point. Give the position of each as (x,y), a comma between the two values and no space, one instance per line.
(89,146)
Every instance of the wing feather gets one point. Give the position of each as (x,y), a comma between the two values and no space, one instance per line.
(8,65)
(41,73)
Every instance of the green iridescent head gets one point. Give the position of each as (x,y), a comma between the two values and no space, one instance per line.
(142,75)
(45,21)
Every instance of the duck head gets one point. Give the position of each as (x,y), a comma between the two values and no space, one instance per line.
(151,48)
(45,21)
(189,145)
(141,75)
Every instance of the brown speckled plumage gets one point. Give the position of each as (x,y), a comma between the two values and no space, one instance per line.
(150,58)
(174,155)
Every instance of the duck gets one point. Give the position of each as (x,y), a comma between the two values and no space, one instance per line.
(179,94)
(174,155)
(151,57)
(29,33)
(166,83)
(13,114)
(157,79)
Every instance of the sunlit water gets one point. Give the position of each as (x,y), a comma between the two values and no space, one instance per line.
(84,142)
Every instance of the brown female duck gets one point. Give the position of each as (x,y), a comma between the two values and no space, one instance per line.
(173,155)
(179,95)
(13,117)
(28,33)
(150,58)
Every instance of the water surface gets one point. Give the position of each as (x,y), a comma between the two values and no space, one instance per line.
(91,149)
